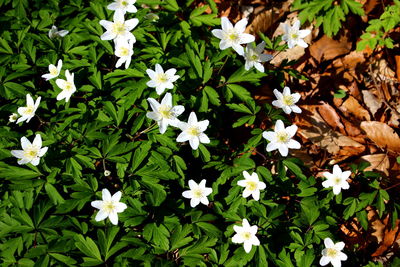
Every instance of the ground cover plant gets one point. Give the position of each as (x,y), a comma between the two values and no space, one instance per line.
(196,133)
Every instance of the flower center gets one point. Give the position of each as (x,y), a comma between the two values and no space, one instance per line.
(31,153)
(337,180)
(331,252)
(108,206)
(294,35)
(233,36)
(118,28)
(162,78)
(124,3)
(246,235)
(251,185)
(28,110)
(288,100)
(165,111)
(193,131)
(197,193)
(282,137)
(68,86)
(124,52)
(254,57)
(53,71)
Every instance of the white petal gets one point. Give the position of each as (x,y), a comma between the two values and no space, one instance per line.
(304,33)
(259,67)
(106,194)
(342,256)
(117,196)
(295,109)
(192,118)
(218,33)
(279,126)
(43,151)
(194,142)
(183,136)
(120,207)
(336,189)
(301,43)
(97,204)
(291,130)
(240,26)
(324,261)
(163,125)
(328,243)
(187,194)
(226,24)
(204,138)
(159,69)
(113,216)
(108,35)
(339,245)
(194,202)
(224,45)
(256,195)
(17,153)
(205,201)
(237,238)
(101,215)
(242,183)
(247,246)
(246,38)
(269,135)
(37,141)
(35,161)
(25,143)
(272,146)
(238,48)
(153,104)
(283,150)
(293,144)
(246,193)
(131,23)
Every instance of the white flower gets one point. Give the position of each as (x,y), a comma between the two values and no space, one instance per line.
(53,71)
(31,152)
(233,36)
(123,5)
(28,112)
(293,35)
(13,117)
(193,131)
(124,50)
(332,253)
(254,56)
(286,100)
(281,138)
(246,234)
(67,86)
(197,193)
(107,173)
(54,32)
(109,206)
(252,185)
(119,29)
(164,113)
(161,80)
(337,179)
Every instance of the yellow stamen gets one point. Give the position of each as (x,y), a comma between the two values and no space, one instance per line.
(118,28)
(251,185)
(331,252)
(246,235)
(197,193)
(288,100)
(195,131)
(282,137)
(108,206)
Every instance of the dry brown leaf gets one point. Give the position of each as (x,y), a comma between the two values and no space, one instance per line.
(327,48)
(382,135)
(329,114)
(352,106)
(315,129)
(373,103)
(379,162)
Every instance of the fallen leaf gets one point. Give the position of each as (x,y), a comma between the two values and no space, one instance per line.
(352,106)
(382,135)
(379,162)
(327,48)
(371,101)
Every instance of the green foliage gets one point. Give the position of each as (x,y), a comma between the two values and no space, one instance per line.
(378,29)
(328,13)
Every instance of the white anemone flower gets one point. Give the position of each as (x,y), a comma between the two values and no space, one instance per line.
(32,152)
(67,86)
(286,101)
(332,253)
(252,185)
(293,35)
(123,5)
(54,32)
(233,36)
(13,117)
(198,193)
(281,138)
(161,80)
(337,179)
(254,56)
(164,113)
(119,29)
(246,234)
(53,71)
(124,50)
(109,206)
(192,131)
(28,112)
